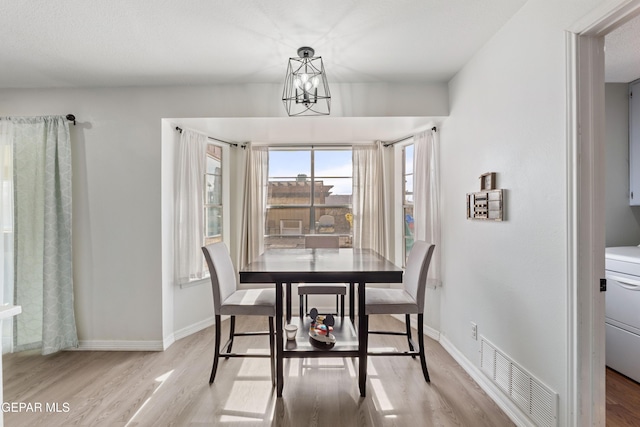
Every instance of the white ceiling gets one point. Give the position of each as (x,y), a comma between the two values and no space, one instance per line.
(622,53)
(79,43)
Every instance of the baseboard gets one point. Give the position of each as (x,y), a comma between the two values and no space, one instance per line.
(167,341)
(428,331)
(192,329)
(502,400)
(95,345)
(431,333)
(7,345)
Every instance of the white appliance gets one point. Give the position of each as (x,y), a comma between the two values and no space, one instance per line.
(622,327)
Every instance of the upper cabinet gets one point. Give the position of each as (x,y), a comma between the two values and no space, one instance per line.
(634,143)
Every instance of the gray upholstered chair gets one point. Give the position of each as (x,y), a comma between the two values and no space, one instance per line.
(306,289)
(228,300)
(408,300)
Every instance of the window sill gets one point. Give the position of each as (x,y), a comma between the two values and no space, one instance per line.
(195,282)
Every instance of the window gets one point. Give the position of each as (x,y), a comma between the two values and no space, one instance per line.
(212,198)
(407,201)
(201,202)
(309,193)
(213,195)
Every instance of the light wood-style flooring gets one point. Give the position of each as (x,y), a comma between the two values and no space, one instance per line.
(623,400)
(171,388)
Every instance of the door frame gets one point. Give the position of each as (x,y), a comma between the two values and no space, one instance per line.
(585,209)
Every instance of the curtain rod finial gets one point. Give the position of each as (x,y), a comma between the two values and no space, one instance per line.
(71,118)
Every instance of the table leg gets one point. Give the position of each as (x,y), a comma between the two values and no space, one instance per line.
(279,341)
(288,296)
(352,303)
(363,340)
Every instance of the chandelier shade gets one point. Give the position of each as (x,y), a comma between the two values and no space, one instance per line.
(306,90)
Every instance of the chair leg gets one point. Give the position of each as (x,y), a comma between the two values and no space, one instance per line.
(301,307)
(337,304)
(272,347)
(342,307)
(408,324)
(423,360)
(216,353)
(232,331)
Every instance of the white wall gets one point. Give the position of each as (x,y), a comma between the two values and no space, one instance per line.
(123,296)
(622,220)
(508,116)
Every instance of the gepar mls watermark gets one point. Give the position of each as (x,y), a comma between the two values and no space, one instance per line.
(27,407)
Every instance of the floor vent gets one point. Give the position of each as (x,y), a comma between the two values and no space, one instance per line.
(533,397)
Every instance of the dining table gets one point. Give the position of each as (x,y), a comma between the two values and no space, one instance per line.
(282,267)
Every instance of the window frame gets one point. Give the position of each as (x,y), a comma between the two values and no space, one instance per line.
(406,204)
(206,238)
(312,206)
(400,253)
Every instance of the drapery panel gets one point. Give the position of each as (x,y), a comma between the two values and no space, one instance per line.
(426,208)
(189,205)
(6,223)
(369,199)
(43,276)
(255,203)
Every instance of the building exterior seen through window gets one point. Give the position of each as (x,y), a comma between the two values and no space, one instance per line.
(407,200)
(310,192)
(213,195)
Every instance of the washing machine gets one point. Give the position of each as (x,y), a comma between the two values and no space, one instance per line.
(622,312)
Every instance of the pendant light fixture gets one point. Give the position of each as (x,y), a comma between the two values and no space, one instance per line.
(306,90)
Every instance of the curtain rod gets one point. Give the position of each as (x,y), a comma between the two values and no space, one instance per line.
(233,144)
(395,141)
(71,118)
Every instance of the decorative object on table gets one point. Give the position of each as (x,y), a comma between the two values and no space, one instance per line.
(291,330)
(306,90)
(488,202)
(320,334)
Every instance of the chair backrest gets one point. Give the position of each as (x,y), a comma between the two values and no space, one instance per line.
(415,275)
(326,220)
(316,242)
(224,281)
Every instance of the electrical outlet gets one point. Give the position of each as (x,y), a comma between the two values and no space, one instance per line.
(474,331)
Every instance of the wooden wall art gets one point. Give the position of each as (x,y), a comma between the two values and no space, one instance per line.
(488,181)
(488,202)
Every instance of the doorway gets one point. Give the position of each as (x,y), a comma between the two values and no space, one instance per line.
(586,175)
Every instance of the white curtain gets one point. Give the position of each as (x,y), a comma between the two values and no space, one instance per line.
(189,215)
(369,199)
(6,223)
(43,276)
(255,203)
(426,186)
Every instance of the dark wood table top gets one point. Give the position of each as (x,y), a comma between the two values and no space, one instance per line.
(321,265)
